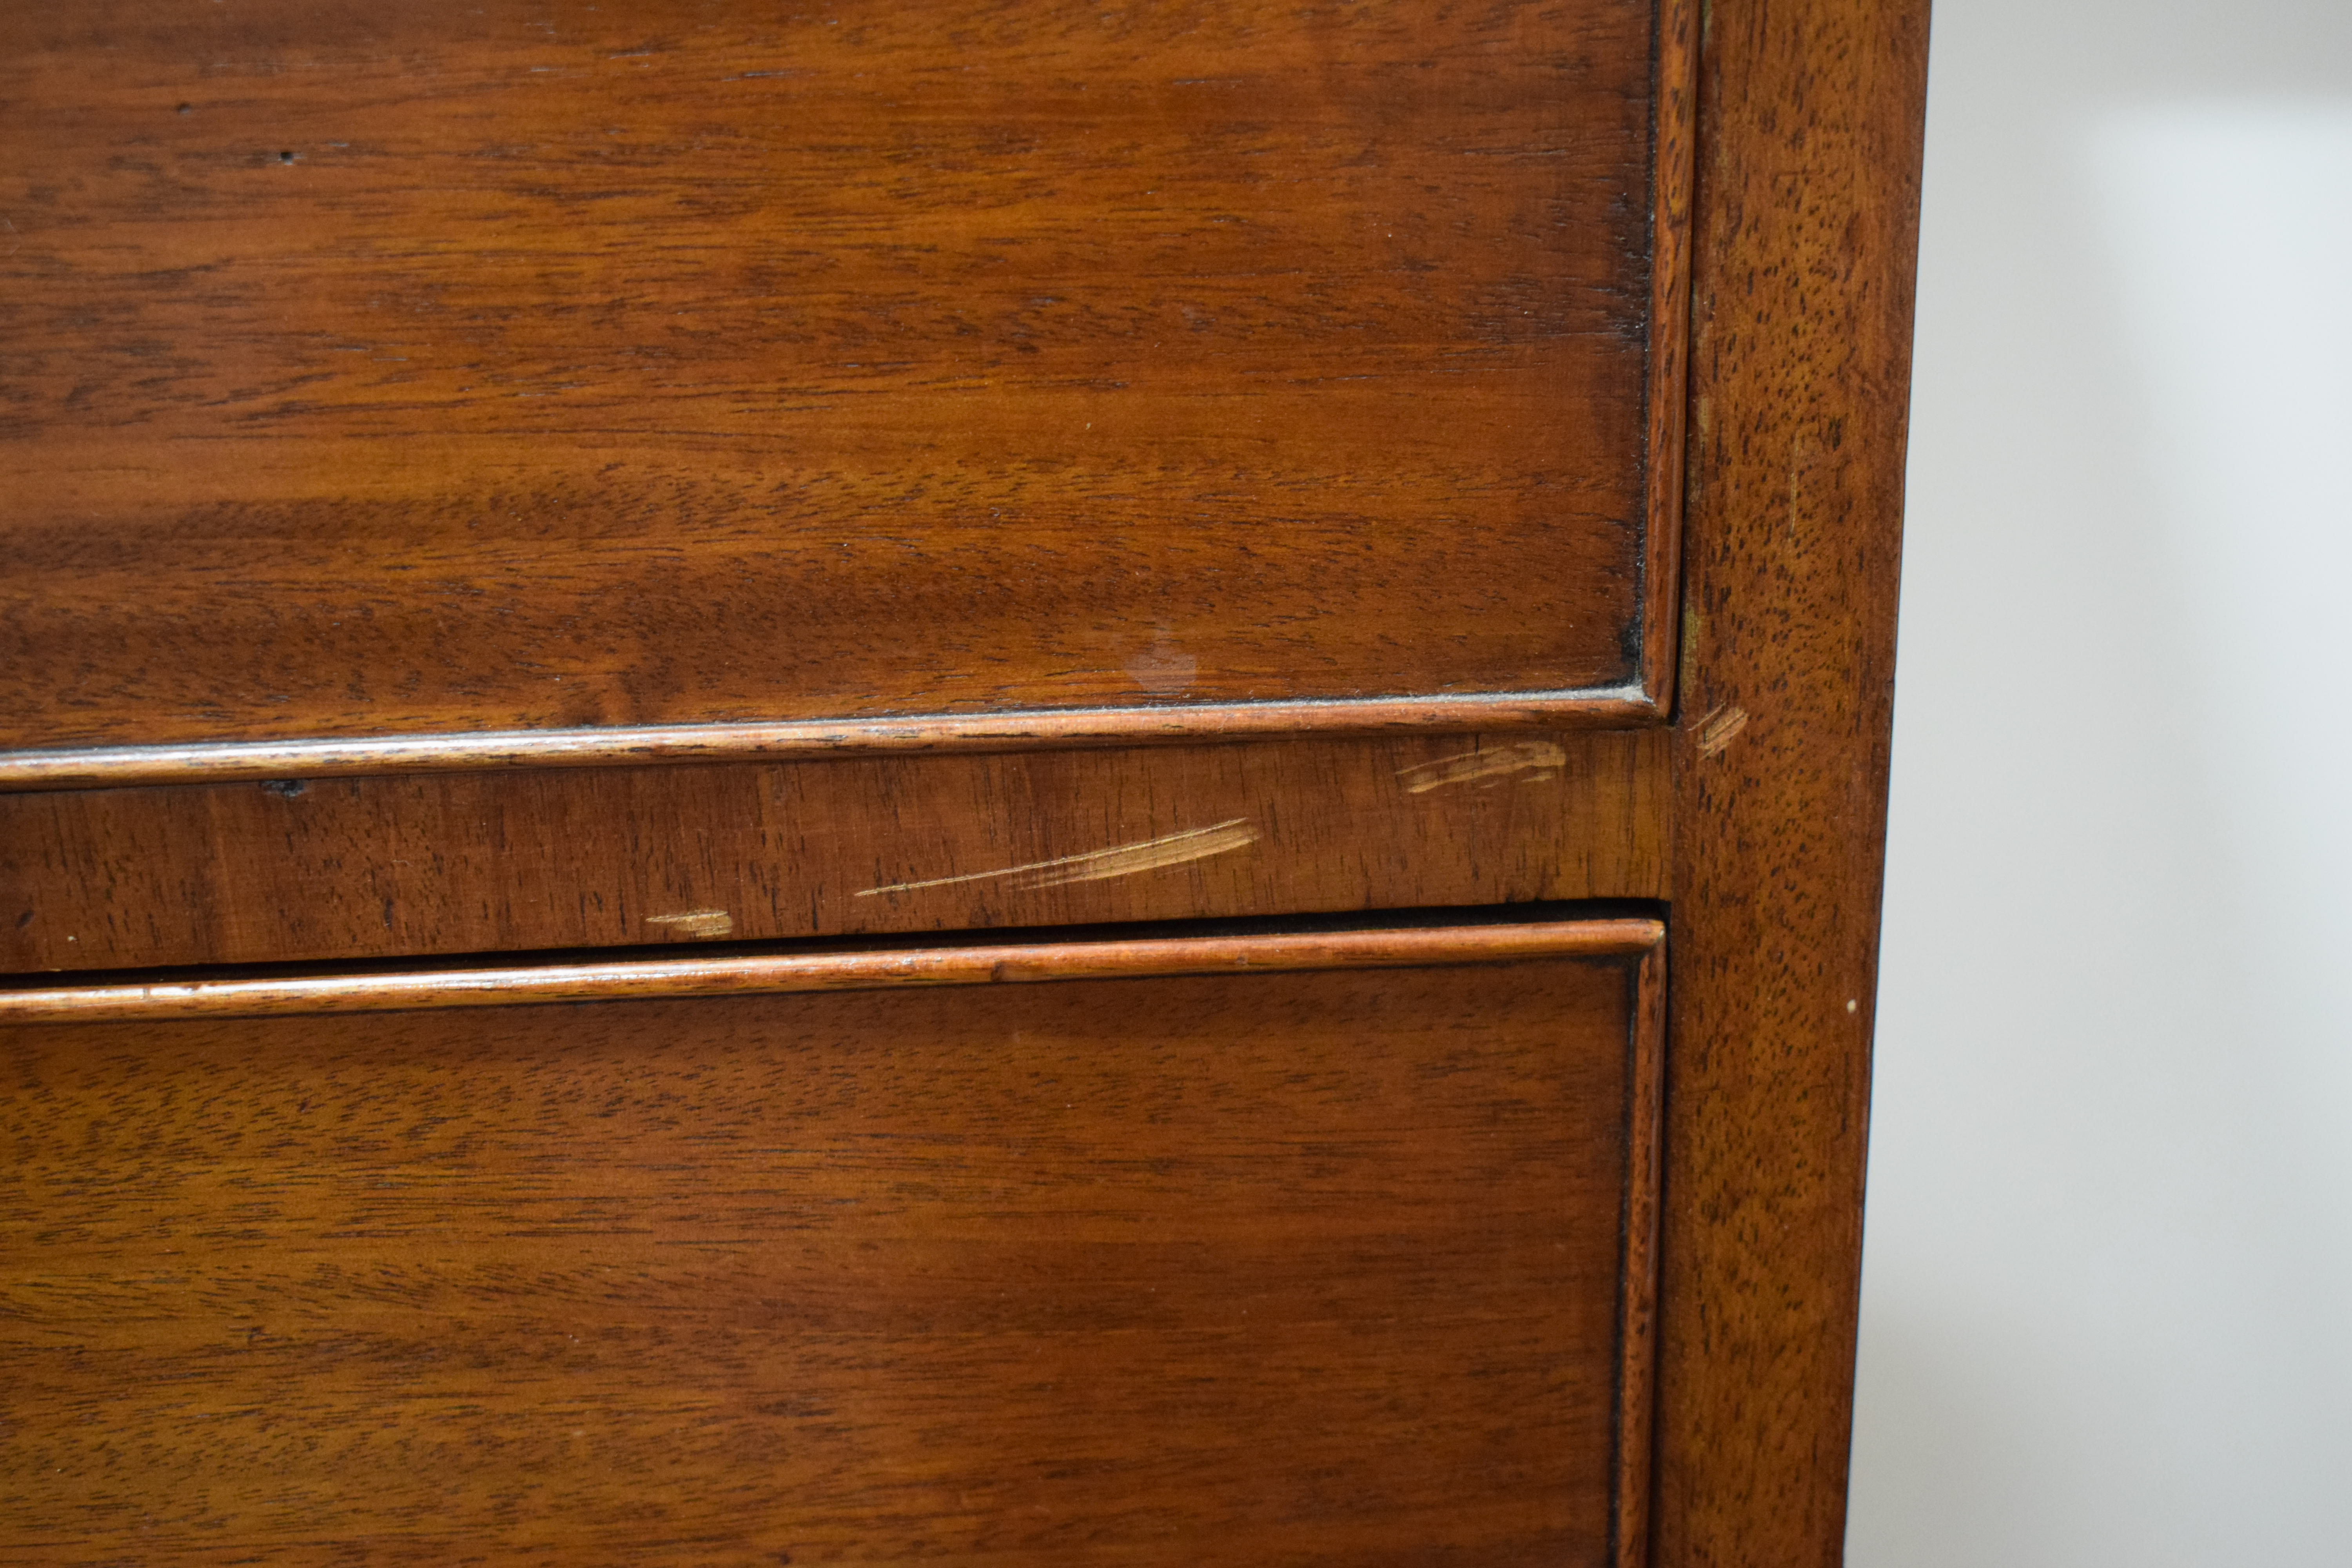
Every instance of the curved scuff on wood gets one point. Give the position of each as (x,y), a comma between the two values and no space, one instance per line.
(1096,865)
(1719,728)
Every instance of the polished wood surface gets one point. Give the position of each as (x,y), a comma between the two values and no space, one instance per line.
(515,861)
(1809,114)
(1355,495)
(455,366)
(370,756)
(780,972)
(1674,129)
(1257,1268)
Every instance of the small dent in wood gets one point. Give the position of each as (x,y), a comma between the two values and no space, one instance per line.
(1096,864)
(696,922)
(285,789)
(1719,728)
(1539,760)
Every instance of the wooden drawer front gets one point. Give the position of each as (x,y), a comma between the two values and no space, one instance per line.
(515,860)
(1307,1265)
(460,367)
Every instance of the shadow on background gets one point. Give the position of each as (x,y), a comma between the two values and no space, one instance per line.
(2108,1261)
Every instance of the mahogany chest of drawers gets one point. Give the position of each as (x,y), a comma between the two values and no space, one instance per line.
(986,781)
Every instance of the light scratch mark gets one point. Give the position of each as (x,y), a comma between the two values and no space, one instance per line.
(1119,860)
(696,922)
(1542,756)
(1718,727)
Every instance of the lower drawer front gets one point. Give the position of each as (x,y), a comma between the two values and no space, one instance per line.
(1301,1267)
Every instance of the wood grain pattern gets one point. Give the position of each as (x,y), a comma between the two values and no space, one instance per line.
(1637,1298)
(517,861)
(1810,123)
(454,366)
(1120,428)
(1674,155)
(1300,1269)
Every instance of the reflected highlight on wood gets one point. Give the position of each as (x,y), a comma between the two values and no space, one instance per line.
(105,767)
(1010,962)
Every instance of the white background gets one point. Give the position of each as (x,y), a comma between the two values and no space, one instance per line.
(2107,1279)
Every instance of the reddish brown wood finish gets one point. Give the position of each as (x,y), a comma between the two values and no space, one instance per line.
(1810,116)
(511,861)
(1279,1269)
(1757,818)
(1002,963)
(104,767)
(1674,136)
(455,366)
(1637,1320)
